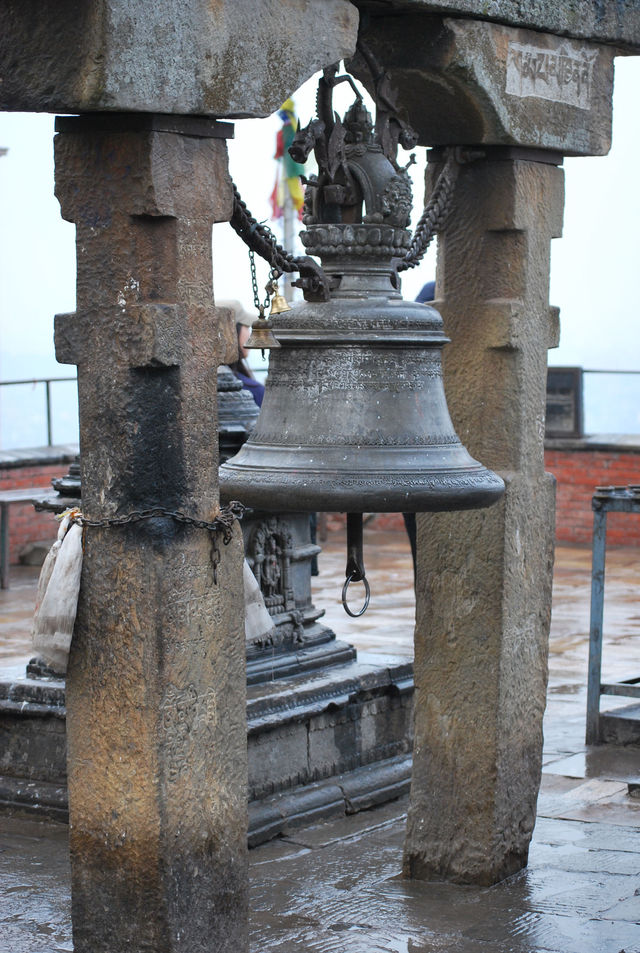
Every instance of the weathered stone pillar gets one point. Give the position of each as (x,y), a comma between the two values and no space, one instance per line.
(484,577)
(523,98)
(156,683)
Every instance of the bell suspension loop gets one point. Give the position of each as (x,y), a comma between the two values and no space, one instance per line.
(355,571)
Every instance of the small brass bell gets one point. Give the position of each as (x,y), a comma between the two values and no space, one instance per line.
(262,336)
(279,305)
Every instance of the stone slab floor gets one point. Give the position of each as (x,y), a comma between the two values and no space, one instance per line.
(335,887)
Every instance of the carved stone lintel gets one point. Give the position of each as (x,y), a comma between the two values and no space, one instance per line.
(181,59)
(463,80)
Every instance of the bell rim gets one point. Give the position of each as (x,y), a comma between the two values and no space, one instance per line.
(370,491)
(437,502)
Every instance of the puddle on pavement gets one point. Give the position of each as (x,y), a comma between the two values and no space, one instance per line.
(574,688)
(337,889)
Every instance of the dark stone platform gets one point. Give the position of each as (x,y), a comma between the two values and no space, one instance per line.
(321,743)
(621,726)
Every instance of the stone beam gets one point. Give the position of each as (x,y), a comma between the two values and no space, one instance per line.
(228,58)
(483,586)
(157,750)
(616,23)
(470,81)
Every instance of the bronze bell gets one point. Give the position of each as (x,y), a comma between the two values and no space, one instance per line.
(261,330)
(279,305)
(354,417)
(262,336)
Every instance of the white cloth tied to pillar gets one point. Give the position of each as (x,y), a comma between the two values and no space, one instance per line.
(258,624)
(57,596)
(59,588)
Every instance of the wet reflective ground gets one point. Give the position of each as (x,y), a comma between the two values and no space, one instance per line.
(334,887)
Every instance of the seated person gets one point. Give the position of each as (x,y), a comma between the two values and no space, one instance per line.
(240,367)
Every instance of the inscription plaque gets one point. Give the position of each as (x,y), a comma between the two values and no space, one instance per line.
(563,75)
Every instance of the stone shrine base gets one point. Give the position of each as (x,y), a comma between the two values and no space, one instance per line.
(328,735)
(321,744)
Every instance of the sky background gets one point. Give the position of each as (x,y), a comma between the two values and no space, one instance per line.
(594,267)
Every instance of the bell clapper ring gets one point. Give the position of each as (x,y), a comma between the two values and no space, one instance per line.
(355,571)
(367,594)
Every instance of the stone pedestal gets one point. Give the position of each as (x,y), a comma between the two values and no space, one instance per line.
(321,742)
(156,722)
(279,551)
(484,578)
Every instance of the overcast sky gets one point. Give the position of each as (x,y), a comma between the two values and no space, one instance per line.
(594,266)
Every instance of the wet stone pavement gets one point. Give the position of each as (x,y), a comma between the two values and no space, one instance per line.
(335,887)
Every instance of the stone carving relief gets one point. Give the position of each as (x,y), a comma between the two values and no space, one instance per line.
(269,551)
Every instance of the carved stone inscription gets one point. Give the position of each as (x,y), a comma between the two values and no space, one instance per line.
(185,715)
(563,75)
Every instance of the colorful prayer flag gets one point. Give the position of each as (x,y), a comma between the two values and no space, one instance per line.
(288,172)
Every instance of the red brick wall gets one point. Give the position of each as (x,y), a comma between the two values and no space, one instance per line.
(25,525)
(578,472)
(393,521)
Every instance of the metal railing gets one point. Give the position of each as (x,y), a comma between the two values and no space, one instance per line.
(592,401)
(47,381)
(592,370)
(611,400)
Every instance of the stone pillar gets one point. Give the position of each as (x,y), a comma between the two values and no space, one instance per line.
(484,577)
(156,683)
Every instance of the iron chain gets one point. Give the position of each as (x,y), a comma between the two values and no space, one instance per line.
(434,214)
(261,240)
(272,284)
(222,523)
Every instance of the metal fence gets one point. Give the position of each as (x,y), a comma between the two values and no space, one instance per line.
(611,401)
(34,411)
